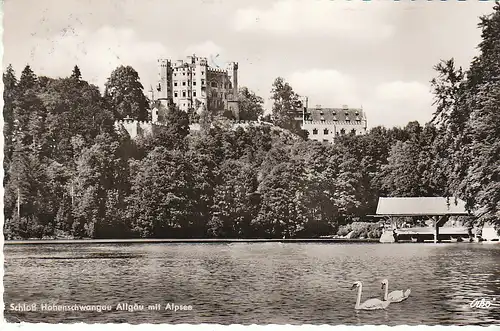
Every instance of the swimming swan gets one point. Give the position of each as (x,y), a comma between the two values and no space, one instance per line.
(370,304)
(394,296)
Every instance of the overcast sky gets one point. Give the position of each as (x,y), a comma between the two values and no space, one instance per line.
(376,54)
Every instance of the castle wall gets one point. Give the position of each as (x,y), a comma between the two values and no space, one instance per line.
(135,128)
(142,128)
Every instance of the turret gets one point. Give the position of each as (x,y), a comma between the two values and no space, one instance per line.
(232,71)
(164,87)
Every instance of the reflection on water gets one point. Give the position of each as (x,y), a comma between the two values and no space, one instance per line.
(263,283)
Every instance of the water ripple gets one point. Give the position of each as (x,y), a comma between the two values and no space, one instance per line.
(264,283)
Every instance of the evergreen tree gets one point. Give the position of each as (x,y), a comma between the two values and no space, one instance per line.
(9,98)
(28,79)
(76,74)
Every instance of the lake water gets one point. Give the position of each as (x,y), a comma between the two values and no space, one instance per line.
(246,283)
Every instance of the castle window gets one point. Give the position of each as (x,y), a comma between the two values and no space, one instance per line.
(342,131)
(194,83)
(325,131)
(353,132)
(202,72)
(175,94)
(315,131)
(194,93)
(183,94)
(183,83)
(325,140)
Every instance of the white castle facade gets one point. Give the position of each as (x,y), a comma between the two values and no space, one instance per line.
(325,124)
(193,84)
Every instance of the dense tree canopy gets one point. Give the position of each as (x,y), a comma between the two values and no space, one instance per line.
(250,105)
(287,106)
(69,172)
(467,108)
(124,93)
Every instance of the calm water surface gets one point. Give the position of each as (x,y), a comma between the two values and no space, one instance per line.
(262,283)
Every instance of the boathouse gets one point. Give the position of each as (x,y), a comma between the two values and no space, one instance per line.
(433,212)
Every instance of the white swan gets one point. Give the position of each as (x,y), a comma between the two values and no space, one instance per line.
(370,304)
(394,296)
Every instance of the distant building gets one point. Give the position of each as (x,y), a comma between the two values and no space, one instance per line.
(325,124)
(193,84)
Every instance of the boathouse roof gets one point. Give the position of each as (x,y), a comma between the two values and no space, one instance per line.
(431,206)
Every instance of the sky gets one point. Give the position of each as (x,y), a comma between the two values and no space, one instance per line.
(375,54)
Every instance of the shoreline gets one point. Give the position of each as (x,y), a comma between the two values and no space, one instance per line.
(182,241)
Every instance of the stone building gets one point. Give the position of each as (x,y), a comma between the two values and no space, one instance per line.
(324,124)
(193,84)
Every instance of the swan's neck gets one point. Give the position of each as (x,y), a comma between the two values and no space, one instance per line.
(386,290)
(358,300)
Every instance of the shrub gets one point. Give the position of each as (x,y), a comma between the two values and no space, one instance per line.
(344,230)
(361,229)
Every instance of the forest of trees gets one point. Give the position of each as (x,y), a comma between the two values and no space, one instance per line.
(70,174)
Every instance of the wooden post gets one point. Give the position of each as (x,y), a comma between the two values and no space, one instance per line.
(394,226)
(436,229)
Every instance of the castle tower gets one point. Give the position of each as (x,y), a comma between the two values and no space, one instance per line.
(232,72)
(164,86)
(200,89)
(232,102)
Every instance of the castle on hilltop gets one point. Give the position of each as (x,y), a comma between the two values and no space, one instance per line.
(193,84)
(189,85)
